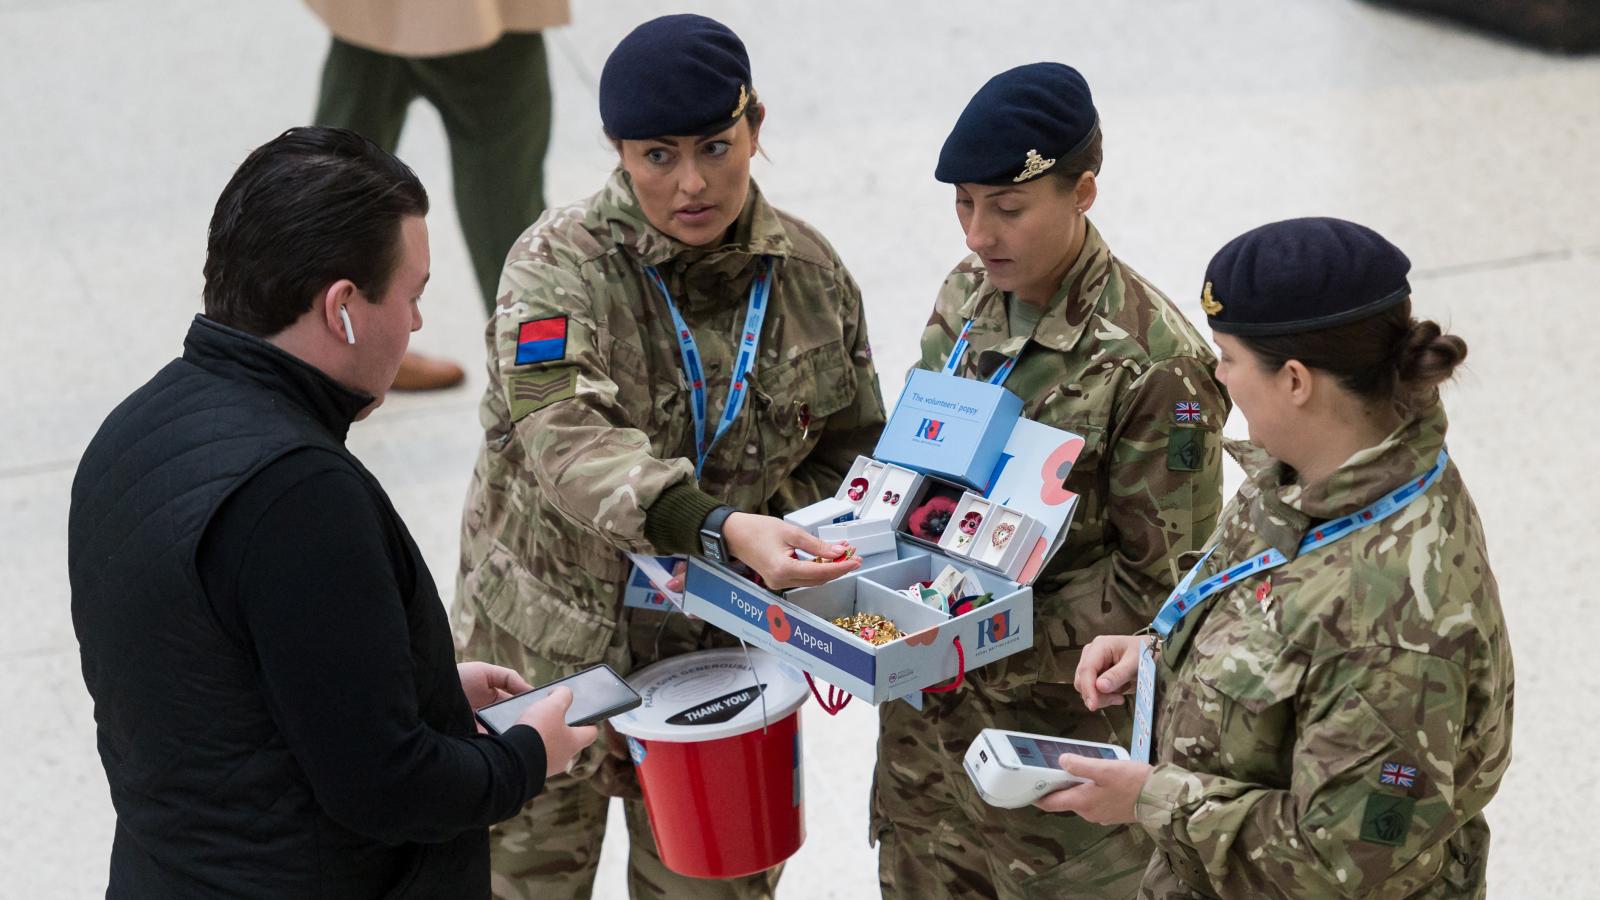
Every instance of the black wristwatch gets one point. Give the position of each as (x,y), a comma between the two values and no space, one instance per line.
(711,543)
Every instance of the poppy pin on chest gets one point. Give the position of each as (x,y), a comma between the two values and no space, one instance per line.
(1264,595)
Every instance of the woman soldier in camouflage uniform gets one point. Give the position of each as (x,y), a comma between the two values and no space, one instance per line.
(1100,352)
(1336,687)
(591,448)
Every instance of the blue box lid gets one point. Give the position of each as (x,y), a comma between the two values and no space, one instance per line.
(948,426)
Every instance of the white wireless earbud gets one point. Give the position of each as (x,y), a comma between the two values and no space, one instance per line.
(349,332)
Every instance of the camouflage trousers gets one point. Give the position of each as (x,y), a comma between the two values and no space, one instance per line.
(550,850)
(936,836)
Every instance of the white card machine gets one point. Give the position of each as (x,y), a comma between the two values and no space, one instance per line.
(1011,769)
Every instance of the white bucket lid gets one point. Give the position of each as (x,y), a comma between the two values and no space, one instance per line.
(710,695)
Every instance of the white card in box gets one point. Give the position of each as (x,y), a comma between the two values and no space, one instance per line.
(827,511)
(799,626)
(869,538)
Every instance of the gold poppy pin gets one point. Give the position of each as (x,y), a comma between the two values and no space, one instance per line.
(1033,166)
(744,98)
(1208,302)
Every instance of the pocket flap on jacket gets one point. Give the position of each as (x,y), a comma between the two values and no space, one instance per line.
(550,623)
(1263,669)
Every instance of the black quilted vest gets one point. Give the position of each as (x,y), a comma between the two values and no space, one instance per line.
(208,797)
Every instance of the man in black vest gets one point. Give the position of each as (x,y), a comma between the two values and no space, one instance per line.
(279,710)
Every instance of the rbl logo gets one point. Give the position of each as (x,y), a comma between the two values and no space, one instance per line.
(994,629)
(929,430)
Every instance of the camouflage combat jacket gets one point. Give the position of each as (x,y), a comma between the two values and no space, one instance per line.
(581,440)
(1114,361)
(1335,726)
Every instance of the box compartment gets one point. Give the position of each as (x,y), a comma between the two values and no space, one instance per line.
(849,596)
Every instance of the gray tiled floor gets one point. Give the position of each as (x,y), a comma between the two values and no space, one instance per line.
(119,123)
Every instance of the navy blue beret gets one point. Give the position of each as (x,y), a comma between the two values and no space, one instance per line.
(1017,125)
(1302,275)
(676,75)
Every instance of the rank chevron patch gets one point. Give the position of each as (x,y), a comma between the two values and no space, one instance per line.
(533,391)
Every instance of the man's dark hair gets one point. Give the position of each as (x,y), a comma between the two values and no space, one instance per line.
(310,207)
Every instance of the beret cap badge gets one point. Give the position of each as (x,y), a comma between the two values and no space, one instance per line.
(744,98)
(1209,303)
(1033,166)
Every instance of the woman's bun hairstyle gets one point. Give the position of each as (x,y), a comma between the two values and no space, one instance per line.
(1428,356)
(1385,358)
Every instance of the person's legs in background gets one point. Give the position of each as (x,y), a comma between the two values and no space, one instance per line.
(495,103)
(365,91)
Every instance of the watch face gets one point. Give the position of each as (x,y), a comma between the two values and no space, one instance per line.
(712,547)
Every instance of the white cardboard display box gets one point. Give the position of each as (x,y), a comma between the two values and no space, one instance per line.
(798,626)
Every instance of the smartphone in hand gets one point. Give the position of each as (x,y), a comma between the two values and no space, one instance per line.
(598,693)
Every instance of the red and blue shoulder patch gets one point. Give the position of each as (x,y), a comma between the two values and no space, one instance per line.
(541,340)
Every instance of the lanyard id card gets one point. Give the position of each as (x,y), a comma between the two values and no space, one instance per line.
(1145,686)
(1144,703)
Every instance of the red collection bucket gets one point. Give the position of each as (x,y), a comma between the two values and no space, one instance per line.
(721,778)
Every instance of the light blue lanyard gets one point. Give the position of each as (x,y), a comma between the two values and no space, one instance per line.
(1188,597)
(690,351)
(960,350)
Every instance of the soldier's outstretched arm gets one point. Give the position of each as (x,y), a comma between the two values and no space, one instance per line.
(1371,800)
(583,447)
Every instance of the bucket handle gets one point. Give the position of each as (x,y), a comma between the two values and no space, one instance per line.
(837,699)
(961,673)
(756,677)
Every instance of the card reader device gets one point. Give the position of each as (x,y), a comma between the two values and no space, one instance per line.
(1011,769)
